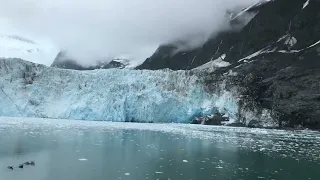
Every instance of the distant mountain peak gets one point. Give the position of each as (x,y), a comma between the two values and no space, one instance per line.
(64,62)
(21,39)
(14,46)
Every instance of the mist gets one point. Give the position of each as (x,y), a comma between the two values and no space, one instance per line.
(91,30)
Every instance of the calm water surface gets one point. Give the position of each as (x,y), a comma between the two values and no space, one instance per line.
(81,150)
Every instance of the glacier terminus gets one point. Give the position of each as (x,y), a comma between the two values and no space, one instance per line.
(34,90)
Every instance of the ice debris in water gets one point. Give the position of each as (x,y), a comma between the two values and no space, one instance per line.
(300,144)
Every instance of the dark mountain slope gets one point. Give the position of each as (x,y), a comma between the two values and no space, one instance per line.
(273,20)
(274,63)
(164,57)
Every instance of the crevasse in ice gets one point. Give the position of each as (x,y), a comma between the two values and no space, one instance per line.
(33,90)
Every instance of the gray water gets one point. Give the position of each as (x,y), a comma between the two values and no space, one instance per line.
(82,150)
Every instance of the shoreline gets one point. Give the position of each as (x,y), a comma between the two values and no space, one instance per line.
(146,122)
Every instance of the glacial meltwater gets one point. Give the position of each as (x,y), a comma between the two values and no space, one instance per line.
(86,150)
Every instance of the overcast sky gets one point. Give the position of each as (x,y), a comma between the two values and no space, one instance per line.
(95,29)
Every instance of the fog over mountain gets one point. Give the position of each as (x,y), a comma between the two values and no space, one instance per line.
(104,29)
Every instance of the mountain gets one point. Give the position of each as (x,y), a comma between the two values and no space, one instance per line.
(166,56)
(63,62)
(265,74)
(20,47)
(273,62)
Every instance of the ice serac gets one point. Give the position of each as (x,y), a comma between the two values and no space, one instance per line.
(33,90)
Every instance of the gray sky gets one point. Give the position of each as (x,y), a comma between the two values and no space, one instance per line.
(94,29)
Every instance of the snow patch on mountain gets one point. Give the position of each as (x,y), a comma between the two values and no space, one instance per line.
(291,41)
(126,63)
(316,43)
(305,4)
(251,55)
(245,10)
(214,64)
(20,47)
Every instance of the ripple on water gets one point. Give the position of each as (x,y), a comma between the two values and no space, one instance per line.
(302,144)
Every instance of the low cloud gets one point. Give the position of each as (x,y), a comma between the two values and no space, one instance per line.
(92,30)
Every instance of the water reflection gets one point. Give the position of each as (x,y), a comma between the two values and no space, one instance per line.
(77,153)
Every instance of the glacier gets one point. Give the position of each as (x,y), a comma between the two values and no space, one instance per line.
(33,90)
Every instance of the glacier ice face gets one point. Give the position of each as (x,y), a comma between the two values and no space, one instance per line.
(33,90)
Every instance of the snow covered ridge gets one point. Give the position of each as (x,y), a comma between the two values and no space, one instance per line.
(33,90)
(305,4)
(214,64)
(19,47)
(245,10)
(290,41)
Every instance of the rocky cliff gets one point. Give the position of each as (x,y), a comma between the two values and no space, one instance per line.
(273,62)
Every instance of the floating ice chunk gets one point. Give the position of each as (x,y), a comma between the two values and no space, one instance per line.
(127,174)
(185,161)
(83,159)
(262,149)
